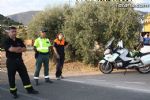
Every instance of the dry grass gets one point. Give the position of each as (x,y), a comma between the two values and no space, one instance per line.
(71,68)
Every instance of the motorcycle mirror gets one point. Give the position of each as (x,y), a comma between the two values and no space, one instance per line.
(120,44)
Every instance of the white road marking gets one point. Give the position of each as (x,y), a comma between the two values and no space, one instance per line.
(133,89)
(111,85)
(97,80)
(76,81)
(140,83)
(26,95)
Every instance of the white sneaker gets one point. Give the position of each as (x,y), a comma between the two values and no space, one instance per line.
(58,78)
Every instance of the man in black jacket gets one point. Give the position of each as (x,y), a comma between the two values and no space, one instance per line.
(14,48)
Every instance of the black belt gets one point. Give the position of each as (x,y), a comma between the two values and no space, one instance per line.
(43,53)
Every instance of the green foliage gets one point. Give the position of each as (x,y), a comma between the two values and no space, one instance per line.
(2,37)
(4,24)
(87,23)
(93,21)
(22,32)
(50,20)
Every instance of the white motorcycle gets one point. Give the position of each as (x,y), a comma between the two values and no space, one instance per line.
(121,58)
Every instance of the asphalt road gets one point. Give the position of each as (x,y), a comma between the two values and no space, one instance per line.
(116,86)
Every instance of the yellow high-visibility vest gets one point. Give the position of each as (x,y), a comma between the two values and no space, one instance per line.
(42,45)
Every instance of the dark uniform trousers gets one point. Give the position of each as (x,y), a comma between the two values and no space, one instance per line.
(59,65)
(42,58)
(17,65)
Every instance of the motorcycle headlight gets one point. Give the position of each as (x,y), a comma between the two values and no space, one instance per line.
(107,51)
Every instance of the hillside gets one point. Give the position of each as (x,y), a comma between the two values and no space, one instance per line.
(7,21)
(24,17)
(142,13)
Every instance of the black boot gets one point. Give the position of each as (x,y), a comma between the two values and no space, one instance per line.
(15,95)
(32,91)
(47,80)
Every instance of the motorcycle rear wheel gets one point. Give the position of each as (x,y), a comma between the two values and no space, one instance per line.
(106,68)
(144,70)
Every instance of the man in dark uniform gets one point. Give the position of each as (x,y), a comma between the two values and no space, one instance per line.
(14,48)
(59,48)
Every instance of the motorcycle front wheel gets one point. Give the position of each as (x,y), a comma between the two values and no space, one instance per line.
(106,68)
(144,70)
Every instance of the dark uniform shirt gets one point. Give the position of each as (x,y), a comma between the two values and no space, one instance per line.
(60,48)
(17,43)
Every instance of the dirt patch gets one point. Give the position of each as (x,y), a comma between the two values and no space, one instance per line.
(70,68)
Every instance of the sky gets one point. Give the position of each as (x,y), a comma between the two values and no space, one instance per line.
(9,7)
(143,2)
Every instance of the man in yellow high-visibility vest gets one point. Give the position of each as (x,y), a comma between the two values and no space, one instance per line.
(42,46)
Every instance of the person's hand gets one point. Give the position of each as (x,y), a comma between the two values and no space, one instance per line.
(66,46)
(57,56)
(16,49)
(19,49)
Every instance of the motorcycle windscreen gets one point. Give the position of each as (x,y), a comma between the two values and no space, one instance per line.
(111,58)
(146,59)
(109,42)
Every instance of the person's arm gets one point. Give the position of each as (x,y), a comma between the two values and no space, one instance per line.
(22,47)
(8,47)
(51,47)
(35,49)
(16,49)
(55,51)
(66,44)
(36,44)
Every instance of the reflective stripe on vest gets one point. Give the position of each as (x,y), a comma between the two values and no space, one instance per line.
(41,45)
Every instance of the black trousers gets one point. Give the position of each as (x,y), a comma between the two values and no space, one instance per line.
(59,66)
(17,65)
